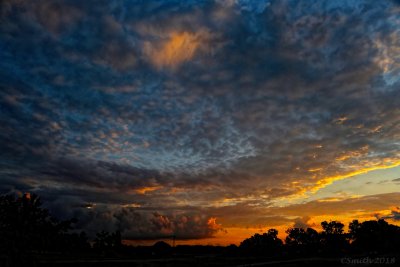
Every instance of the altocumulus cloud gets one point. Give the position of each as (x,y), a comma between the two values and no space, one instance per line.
(180,106)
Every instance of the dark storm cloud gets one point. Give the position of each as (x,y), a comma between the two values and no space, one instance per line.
(136,222)
(100,174)
(200,102)
(183,226)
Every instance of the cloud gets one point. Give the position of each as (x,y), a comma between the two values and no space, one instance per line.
(210,104)
(394,215)
(308,214)
(302,222)
(136,224)
(366,205)
(179,48)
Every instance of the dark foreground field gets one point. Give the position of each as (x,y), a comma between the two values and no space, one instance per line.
(192,261)
(203,260)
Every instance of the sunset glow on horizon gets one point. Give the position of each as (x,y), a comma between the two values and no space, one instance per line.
(204,121)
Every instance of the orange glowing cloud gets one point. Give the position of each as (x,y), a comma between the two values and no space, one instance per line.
(212,224)
(179,47)
(144,190)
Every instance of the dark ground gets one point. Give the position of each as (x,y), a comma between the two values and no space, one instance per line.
(208,260)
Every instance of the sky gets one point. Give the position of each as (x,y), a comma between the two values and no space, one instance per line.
(206,120)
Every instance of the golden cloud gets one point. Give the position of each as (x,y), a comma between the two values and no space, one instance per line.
(144,190)
(177,49)
(385,164)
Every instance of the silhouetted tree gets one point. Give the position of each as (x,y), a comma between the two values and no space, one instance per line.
(26,227)
(333,239)
(266,244)
(106,242)
(302,242)
(374,237)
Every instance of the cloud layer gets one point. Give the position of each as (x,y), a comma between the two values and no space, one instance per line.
(177,107)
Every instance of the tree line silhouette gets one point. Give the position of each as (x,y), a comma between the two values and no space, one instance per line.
(374,237)
(28,230)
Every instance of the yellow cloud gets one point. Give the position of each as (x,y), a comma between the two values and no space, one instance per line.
(315,170)
(330,179)
(336,199)
(303,190)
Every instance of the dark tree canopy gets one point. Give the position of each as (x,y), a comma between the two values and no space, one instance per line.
(332,228)
(268,243)
(302,241)
(374,236)
(27,227)
(333,239)
(107,242)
